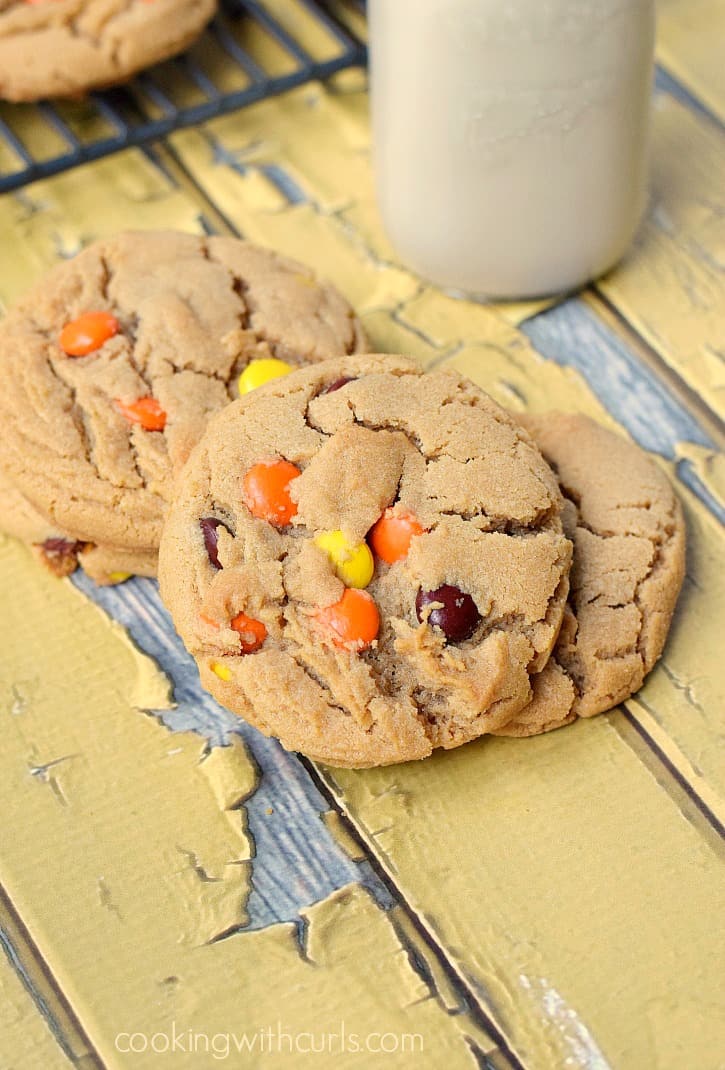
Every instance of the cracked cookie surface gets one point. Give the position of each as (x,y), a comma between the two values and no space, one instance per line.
(63,48)
(190,313)
(369,438)
(628,531)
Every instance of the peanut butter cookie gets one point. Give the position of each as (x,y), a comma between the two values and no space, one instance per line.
(112,365)
(63,48)
(628,532)
(367,561)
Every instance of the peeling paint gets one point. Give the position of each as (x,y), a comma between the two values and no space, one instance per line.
(340,830)
(558,857)
(585,1053)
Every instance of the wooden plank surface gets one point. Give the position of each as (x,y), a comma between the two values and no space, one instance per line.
(147,834)
(670,287)
(547,906)
(463,899)
(26,1042)
(137,871)
(690,39)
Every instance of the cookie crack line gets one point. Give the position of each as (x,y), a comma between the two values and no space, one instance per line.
(309,671)
(129,321)
(659,547)
(73,23)
(492,622)
(248,325)
(77,412)
(533,527)
(605,655)
(655,564)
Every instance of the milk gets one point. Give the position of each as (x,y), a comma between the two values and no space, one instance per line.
(510,137)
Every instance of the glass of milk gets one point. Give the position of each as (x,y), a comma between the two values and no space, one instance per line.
(510,137)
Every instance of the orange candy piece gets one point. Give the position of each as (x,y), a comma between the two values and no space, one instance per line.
(88,333)
(353,622)
(390,536)
(266,491)
(252,633)
(144,411)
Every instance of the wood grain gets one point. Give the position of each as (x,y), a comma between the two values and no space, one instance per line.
(690,37)
(534,908)
(671,288)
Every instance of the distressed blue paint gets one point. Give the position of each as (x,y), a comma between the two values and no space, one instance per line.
(665,83)
(573,336)
(284,183)
(297,861)
(235,160)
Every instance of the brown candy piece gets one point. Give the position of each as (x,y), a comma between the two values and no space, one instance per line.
(337,384)
(454,611)
(209,525)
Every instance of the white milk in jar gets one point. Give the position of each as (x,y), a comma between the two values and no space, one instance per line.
(510,137)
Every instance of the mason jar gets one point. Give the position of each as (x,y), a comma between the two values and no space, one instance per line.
(510,137)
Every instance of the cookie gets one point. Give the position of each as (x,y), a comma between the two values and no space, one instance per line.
(628,532)
(367,561)
(61,555)
(112,365)
(63,48)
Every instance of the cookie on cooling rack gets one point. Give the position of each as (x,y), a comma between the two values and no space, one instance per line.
(64,48)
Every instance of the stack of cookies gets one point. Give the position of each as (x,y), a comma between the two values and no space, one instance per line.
(365,560)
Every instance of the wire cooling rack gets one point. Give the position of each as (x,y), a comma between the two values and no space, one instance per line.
(253,49)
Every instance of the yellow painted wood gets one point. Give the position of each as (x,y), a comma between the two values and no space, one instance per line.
(351,16)
(26,1042)
(138,860)
(39,136)
(671,287)
(304,27)
(43,992)
(690,36)
(709,465)
(708,462)
(339,829)
(564,881)
(56,217)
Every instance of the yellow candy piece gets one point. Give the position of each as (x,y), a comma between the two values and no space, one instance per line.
(353,562)
(119,577)
(261,371)
(222,671)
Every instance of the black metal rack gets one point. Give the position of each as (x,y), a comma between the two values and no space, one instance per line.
(146,109)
